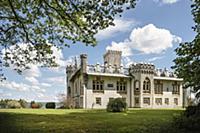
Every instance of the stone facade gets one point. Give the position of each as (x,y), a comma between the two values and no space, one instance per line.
(141,85)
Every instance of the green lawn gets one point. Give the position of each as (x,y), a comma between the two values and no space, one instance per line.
(81,121)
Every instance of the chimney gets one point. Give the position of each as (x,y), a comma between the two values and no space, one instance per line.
(83,58)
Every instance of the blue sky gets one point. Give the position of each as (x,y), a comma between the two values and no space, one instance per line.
(148,33)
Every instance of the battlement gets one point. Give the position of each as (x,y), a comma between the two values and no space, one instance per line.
(145,68)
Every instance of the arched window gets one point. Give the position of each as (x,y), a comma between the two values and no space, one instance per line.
(146,85)
(137,87)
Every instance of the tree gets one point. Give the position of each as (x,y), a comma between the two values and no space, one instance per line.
(13,104)
(59,22)
(23,103)
(187,64)
(66,101)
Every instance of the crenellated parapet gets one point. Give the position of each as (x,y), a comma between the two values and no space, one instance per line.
(143,68)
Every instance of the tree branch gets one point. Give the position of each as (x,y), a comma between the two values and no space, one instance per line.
(17,18)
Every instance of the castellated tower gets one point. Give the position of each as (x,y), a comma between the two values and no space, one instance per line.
(113,58)
(143,74)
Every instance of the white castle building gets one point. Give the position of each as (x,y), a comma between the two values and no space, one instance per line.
(140,85)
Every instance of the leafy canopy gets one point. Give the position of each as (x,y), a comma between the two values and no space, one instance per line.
(187,64)
(59,22)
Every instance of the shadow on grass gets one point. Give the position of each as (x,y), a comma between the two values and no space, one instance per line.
(137,121)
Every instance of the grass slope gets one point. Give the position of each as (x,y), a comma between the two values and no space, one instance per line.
(81,121)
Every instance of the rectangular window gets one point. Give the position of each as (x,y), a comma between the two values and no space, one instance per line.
(121,87)
(110,85)
(167,101)
(146,100)
(98,85)
(176,101)
(176,88)
(158,101)
(137,100)
(158,87)
(98,100)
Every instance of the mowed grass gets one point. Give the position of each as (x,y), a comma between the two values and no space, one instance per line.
(82,121)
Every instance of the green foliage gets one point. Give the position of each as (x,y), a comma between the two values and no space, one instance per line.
(3,104)
(50,105)
(23,103)
(117,105)
(35,105)
(59,22)
(188,61)
(13,104)
(189,120)
(10,103)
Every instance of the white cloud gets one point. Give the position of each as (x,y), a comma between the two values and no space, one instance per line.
(127,61)
(166,1)
(34,71)
(121,25)
(121,46)
(34,86)
(37,89)
(148,39)
(154,59)
(5,95)
(45,84)
(32,80)
(56,80)
(15,86)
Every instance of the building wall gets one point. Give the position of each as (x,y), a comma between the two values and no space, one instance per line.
(168,94)
(84,96)
(109,92)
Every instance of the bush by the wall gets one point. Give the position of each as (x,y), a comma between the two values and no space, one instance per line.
(116,105)
(50,105)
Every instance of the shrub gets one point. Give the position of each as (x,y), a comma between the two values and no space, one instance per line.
(116,105)
(192,110)
(189,120)
(35,105)
(3,104)
(23,103)
(51,105)
(13,104)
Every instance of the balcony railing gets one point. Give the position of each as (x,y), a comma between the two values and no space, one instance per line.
(109,69)
(164,73)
